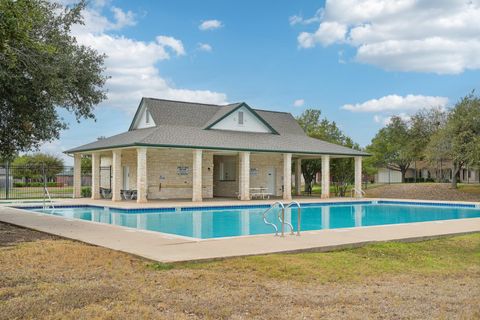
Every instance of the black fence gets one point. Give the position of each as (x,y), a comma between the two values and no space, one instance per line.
(30,181)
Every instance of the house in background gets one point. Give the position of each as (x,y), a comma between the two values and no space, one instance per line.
(181,150)
(422,171)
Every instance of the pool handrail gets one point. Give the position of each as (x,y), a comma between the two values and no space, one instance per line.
(268,210)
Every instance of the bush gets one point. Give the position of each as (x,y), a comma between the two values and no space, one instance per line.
(86,192)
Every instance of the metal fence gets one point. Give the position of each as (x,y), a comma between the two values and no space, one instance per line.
(29,182)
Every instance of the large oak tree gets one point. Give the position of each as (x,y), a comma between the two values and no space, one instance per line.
(42,69)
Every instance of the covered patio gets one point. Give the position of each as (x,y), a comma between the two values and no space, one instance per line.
(203,174)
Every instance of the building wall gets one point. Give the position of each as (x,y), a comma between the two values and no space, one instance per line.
(259,165)
(388,176)
(170,174)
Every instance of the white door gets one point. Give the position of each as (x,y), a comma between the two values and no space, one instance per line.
(271,180)
(126,176)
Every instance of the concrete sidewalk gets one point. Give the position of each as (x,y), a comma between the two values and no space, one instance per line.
(167,248)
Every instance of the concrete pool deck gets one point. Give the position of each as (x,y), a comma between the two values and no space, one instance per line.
(166,248)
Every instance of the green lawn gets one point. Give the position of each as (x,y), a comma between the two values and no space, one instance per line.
(61,279)
(36,192)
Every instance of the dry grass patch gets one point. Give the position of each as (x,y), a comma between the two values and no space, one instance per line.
(58,279)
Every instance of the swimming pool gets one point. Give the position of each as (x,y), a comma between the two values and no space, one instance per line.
(217,222)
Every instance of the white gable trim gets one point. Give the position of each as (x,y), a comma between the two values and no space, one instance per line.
(251,123)
(141,120)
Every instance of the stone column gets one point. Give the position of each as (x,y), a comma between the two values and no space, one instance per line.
(95,176)
(325,176)
(244,176)
(197,175)
(116,174)
(298,177)
(358,177)
(142,175)
(77,175)
(287,176)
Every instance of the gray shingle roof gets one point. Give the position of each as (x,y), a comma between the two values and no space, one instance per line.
(181,124)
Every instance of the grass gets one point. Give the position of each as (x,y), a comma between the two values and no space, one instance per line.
(470,188)
(65,279)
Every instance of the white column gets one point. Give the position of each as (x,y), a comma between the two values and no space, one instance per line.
(358,177)
(244,176)
(142,175)
(116,174)
(95,176)
(298,177)
(197,175)
(287,176)
(325,176)
(77,175)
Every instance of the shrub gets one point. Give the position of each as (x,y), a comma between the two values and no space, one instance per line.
(86,192)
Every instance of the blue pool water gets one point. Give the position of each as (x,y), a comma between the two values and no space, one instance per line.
(228,222)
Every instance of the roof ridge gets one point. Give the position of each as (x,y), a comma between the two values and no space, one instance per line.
(272,111)
(190,102)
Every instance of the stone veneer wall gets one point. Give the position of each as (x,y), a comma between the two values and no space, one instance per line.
(163,180)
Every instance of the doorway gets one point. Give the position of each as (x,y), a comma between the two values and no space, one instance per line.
(271,180)
(126,177)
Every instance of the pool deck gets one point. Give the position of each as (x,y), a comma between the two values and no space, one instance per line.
(166,248)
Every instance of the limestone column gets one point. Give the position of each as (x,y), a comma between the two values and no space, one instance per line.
(95,176)
(142,175)
(287,176)
(358,177)
(244,176)
(197,175)
(325,176)
(298,177)
(77,175)
(116,174)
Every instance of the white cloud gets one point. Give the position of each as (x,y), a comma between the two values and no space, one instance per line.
(385,120)
(440,36)
(175,44)
(133,64)
(210,25)
(394,103)
(298,19)
(298,103)
(205,47)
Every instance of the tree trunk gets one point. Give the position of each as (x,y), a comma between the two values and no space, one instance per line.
(455,172)
(404,172)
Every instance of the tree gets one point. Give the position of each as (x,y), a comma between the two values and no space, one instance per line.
(42,68)
(341,169)
(459,139)
(34,167)
(392,146)
(86,165)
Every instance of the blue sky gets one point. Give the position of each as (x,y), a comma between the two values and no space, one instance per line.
(359,64)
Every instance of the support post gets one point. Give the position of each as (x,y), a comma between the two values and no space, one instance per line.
(287,176)
(95,176)
(77,175)
(116,174)
(325,176)
(142,175)
(358,177)
(197,176)
(244,177)
(298,177)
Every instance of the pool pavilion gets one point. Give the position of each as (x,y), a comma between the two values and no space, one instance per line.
(184,150)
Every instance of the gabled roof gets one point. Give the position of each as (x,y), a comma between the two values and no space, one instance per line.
(227,110)
(185,125)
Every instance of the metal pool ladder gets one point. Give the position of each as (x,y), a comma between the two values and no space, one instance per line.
(46,194)
(281,217)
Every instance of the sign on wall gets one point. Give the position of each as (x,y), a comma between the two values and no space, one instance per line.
(253,172)
(183,170)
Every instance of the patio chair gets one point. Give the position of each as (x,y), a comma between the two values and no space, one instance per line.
(105,193)
(133,194)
